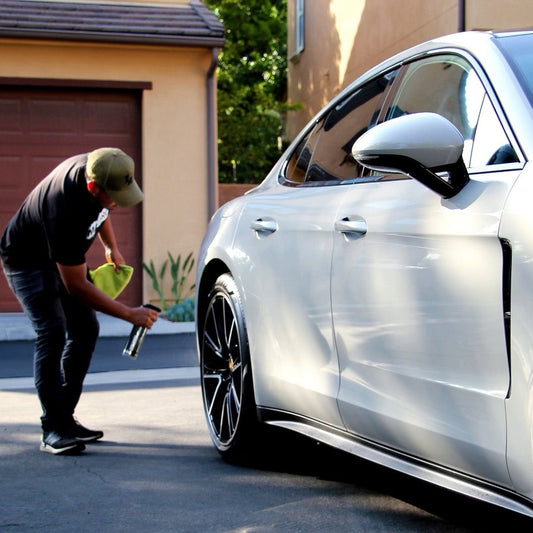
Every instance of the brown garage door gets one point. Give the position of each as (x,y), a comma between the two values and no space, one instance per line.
(41,126)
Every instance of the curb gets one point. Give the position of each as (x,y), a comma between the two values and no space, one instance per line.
(17,327)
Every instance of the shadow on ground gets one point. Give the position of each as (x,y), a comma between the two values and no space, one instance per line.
(284,451)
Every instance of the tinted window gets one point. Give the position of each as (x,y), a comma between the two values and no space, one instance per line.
(518,49)
(490,145)
(324,154)
(449,86)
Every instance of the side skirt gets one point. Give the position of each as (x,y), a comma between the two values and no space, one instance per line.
(390,458)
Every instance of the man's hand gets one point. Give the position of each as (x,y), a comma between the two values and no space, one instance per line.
(114,256)
(143,316)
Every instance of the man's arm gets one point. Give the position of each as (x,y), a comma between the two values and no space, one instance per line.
(77,284)
(107,237)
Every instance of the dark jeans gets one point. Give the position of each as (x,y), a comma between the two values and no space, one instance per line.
(67,331)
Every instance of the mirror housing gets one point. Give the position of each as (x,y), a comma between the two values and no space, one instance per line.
(419,145)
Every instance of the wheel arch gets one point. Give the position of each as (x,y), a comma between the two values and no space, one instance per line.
(210,274)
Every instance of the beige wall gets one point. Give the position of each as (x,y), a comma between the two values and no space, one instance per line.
(344,38)
(174,126)
(145,2)
(498,14)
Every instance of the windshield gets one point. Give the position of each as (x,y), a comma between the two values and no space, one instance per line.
(518,49)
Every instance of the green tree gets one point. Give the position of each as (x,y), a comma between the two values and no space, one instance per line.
(252,81)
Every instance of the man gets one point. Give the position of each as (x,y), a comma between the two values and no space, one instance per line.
(43,255)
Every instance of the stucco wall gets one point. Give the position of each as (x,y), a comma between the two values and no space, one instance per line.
(498,14)
(145,2)
(174,126)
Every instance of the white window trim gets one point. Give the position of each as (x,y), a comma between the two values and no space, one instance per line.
(300,27)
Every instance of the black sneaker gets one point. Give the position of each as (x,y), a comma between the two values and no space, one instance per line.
(57,444)
(84,434)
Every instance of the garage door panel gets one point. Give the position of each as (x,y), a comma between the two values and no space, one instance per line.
(51,117)
(9,184)
(107,118)
(10,112)
(13,183)
(40,127)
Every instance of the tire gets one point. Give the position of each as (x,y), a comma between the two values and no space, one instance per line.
(226,374)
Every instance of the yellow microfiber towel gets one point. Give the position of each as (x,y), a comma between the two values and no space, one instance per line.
(108,280)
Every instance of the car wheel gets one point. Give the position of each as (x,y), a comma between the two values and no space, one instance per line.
(226,374)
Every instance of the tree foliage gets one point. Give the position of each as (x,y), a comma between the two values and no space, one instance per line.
(252,80)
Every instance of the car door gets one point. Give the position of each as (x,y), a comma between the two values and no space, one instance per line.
(417,290)
(289,227)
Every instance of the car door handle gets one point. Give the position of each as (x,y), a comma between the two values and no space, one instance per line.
(264,226)
(351,225)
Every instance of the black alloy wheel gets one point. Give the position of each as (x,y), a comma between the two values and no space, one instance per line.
(226,375)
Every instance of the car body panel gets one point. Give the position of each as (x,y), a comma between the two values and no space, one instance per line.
(417,308)
(516,227)
(295,362)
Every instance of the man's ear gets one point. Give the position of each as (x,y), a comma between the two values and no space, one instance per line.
(93,188)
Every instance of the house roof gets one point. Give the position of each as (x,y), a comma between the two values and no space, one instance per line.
(190,24)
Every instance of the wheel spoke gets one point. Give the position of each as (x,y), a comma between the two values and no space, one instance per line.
(212,330)
(229,333)
(215,392)
(211,344)
(224,420)
(214,360)
(229,413)
(235,397)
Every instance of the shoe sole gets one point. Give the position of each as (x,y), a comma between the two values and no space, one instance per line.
(72,449)
(89,440)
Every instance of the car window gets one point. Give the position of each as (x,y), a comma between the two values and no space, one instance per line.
(324,154)
(449,86)
(518,49)
(490,145)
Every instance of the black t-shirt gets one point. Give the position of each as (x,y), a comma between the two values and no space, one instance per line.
(57,222)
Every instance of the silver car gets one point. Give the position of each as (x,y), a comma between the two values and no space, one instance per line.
(375,292)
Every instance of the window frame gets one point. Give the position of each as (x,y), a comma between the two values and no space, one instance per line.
(305,135)
(296,28)
(391,95)
(300,27)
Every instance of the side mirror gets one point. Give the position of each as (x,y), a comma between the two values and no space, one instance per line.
(419,145)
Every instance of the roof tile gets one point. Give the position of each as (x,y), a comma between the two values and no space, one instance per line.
(181,25)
